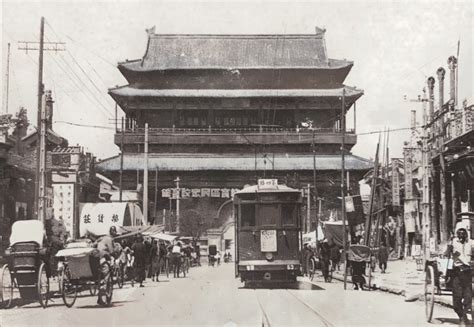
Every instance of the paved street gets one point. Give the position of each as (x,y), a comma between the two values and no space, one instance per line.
(211,296)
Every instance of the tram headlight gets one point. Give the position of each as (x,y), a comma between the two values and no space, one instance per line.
(269,256)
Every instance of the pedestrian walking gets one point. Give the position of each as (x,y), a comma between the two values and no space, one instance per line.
(176,259)
(335,257)
(461,251)
(324,259)
(140,260)
(155,261)
(383,257)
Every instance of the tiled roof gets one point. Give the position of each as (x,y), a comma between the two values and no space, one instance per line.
(204,162)
(174,51)
(127,91)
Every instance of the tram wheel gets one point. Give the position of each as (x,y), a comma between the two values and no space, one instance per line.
(6,287)
(43,286)
(429,292)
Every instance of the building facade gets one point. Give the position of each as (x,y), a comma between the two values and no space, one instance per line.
(225,110)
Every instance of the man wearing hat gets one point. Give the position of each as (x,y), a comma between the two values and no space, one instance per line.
(461,250)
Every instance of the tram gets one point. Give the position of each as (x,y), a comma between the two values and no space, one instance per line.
(268,232)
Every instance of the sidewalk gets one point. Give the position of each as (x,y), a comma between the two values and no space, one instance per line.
(401,278)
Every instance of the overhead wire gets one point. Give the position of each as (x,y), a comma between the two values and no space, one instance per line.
(75,61)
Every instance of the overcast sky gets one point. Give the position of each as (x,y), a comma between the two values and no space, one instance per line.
(395,46)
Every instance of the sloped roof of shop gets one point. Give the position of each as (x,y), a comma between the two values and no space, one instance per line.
(232,162)
(220,51)
(128,91)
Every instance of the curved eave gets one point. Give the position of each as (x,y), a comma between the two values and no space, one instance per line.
(133,68)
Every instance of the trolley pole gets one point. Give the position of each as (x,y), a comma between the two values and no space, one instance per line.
(343,184)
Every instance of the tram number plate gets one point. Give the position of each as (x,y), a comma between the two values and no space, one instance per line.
(268,240)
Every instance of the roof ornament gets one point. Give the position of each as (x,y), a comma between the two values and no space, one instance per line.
(150,31)
(320,31)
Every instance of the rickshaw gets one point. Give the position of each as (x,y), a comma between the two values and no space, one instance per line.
(82,269)
(26,268)
(361,253)
(439,269)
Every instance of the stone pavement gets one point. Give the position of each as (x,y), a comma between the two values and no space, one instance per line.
(401,278)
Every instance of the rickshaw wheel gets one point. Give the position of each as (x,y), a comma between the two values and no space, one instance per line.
(93,289)
(106,289)
(6,287)
(429,292)
(68,289)
(120,276)
(43,286)
(311,269)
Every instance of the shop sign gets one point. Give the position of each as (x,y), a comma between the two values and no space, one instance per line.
(184,193)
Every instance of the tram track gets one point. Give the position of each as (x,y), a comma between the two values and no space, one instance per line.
(324,320)
(271,317)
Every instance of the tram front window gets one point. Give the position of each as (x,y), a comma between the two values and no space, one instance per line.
(248,215)
(268,214)
(288,214)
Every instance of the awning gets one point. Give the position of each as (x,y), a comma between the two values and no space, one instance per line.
(163,237)
(27,231)
(97,218)
(127,231)
(232,162)
(334,232)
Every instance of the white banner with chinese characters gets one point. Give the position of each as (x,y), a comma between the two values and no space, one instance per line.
(395,183)
(184,193)
(97,218)
(63,204)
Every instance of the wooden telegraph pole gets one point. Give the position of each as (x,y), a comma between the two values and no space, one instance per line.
(7,81)
(145,177)
(343,184)
(121,163)
(40,183)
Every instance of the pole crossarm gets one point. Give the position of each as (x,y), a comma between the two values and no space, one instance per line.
(47,46)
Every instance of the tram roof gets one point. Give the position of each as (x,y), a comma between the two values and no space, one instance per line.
(280,188)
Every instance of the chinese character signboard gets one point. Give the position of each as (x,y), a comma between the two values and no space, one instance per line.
(63,204)
(184,193)
(395,184)
(408,174)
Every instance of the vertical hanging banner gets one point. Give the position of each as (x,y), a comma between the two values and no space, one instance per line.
(395,183)
(408,174)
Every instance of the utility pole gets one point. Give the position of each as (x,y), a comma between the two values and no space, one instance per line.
(7,81)
(315,194)
(121,163)
(343,184)
(177,203)
(51,46)
(42,164)
(145,176)
(156,194)
(308,210)
(426,173)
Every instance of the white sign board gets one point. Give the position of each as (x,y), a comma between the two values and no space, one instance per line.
(268,240)
(267,184)
(63,204)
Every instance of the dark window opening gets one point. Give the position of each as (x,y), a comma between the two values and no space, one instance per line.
(268,214)
(288,214)
(248,215)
